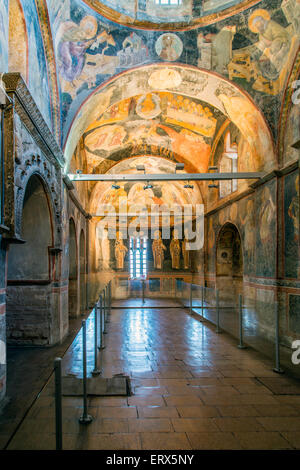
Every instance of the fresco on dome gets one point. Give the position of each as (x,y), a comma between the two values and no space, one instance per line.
(4,36)
(169,47)
(254,48)
(158,120)
(162,194)
(164,11)
(38,77)
(291,225)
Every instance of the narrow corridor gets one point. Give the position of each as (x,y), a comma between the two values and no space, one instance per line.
(193,389)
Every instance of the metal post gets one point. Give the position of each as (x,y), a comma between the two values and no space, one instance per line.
(58,403)
(107,303)
(96,371)
(202,302)
(143,289)
(109,291)
(218,311)
(101,345)
(241,345)
(104,311)
(85,418)
(191,299)
(277,367)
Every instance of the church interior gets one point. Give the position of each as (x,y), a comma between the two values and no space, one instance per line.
(128,130)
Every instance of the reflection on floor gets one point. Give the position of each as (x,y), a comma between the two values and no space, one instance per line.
(193,389)
(28,370)
(148,302)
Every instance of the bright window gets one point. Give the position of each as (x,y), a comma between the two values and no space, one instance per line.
(138,258)
(168,2)
(228,164)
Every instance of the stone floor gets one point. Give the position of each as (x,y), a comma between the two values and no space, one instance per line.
(193,389)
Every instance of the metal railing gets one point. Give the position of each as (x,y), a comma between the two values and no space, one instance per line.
(102,312)
(205,301)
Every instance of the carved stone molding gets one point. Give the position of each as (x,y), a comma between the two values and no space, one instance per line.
(30,149)
(32,118)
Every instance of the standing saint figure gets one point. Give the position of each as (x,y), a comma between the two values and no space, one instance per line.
(105,249)
(175,251)
(266,217)
(185,254)
(158,250)
(120,251)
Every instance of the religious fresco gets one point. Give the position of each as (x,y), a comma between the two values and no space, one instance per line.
(164,255)
(265,204)
(169,13)
(248,233)
(38,76)
(183,126)
(216,96)
(294,313)
(291,225)
(4,36)
(168,47)
(254,48)
(163,194)
(291,134)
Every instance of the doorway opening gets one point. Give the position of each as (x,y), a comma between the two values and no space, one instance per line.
(229,265)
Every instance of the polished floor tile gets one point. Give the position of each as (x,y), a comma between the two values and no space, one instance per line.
(192,389)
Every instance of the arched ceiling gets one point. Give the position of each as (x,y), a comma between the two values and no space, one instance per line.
(162,124)
(168,14)
(162,194)
(75,47)
(174,108)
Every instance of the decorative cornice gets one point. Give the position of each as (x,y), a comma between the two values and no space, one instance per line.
(32,118)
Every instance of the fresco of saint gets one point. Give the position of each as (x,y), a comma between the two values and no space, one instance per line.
(273,46)
(120,252)
(266,217)
(185,254)
(175,250)
(158,249)
(293,211)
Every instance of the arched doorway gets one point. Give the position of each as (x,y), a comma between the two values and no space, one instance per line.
(73,271)
(82,273)
(29,276)
(229,265)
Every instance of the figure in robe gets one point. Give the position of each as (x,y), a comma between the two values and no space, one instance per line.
(266,217)
(168,51)
(248,221)
(105,248)
(293,211)
(158,249)
(175,251)
(273,46)
(74,42)
(120,251)
(185,254)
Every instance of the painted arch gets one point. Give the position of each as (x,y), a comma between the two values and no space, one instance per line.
(187,81)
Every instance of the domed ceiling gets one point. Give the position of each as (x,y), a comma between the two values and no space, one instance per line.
(171,14)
